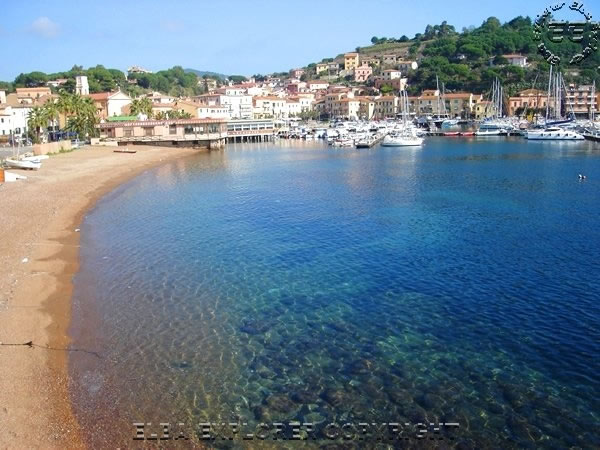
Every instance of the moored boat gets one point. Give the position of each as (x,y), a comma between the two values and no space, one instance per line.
(23,164)
(553,134)
(402,140)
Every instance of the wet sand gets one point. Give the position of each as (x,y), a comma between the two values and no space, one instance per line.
(38,257)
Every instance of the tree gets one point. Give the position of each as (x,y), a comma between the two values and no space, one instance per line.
(141,106)
(84,118)
(500,60)
(374,40)
(239,78)
(404,38)
(386,89)
(32,79)
(37,120)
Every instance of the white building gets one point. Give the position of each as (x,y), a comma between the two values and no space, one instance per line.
(390,74)
(294,108)
(200,111)
(270,107)
(237,102)
(2,97)
(81,85)
(317,85)
(138,69)
(6,127)
(405,66)
(517,60)
(13,119)
(109,104)
(157,97)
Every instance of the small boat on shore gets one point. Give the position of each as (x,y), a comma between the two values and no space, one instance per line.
(467,133)
(452,133)
(124,150)
(23,164)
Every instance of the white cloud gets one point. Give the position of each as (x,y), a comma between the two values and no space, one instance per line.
(44,27)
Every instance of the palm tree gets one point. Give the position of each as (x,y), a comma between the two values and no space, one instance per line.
(37,120)
(52,112)
(80,113)
(141,106)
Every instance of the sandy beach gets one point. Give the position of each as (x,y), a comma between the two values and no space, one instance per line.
(39,243)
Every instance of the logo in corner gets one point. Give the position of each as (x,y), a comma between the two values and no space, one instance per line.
(584,33)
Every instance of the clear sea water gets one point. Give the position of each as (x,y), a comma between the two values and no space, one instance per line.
(456,283)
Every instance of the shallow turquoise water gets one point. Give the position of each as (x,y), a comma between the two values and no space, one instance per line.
(454,283)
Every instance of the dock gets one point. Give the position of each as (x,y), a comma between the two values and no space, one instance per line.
(469,133)
(370,142)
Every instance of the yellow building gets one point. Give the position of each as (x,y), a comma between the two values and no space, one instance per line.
(351,61)
(460,104)
(387,106)
(346,108)
(483,110)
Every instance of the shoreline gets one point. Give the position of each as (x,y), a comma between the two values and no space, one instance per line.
(40,218)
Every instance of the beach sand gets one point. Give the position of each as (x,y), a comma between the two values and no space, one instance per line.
(38,257)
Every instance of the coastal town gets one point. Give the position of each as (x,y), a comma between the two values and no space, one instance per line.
(267,107)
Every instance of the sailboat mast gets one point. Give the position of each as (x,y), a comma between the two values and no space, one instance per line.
(593,101)
(549,91)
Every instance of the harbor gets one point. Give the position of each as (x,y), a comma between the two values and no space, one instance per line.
(323,225)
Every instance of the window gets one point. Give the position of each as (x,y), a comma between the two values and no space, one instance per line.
(172,129)
(128,133)
(148,131)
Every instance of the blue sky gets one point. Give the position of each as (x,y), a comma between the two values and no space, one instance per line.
(232,37)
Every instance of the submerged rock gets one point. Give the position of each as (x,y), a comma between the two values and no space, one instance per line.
(281,403)
(361,366)
(305,397)
(335,397)
(254,327)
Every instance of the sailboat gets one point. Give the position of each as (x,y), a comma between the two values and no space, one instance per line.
(17,162)
(552,130)
(407,137)
(592,132)
(492,125)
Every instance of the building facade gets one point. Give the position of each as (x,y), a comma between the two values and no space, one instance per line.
(581,100)
(109,104)
(362,73)
(351,61)
(527,99)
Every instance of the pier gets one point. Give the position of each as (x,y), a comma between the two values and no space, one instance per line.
(261,130)
(370,142)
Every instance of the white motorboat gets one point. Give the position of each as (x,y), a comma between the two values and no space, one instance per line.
(449,123)
(402,140)
(489,132)
(23,164)
(553,134)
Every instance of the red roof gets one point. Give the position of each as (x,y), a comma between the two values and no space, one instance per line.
(101,95)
